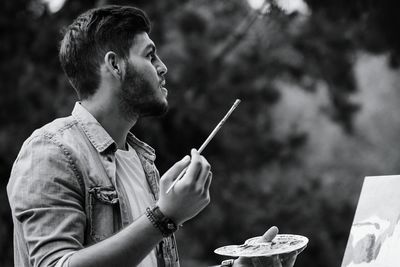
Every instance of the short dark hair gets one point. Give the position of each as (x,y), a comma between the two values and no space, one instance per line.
(91,36)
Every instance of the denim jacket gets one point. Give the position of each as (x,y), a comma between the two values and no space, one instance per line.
(63,194)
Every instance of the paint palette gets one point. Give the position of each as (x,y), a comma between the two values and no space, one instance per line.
(253,247)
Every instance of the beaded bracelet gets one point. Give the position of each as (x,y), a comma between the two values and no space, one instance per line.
(166,226)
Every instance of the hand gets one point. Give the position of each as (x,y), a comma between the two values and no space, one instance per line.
(191,194)
(283,260)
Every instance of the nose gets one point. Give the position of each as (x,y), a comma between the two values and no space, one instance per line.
(161,68)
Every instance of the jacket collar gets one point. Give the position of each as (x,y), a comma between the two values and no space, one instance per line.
(96,134)
(99,137)
(141,147)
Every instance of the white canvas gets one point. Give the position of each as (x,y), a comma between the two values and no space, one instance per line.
(374,239)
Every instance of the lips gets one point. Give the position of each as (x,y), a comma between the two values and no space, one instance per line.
(162,87)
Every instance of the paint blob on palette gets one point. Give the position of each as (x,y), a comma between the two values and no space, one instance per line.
(254,247)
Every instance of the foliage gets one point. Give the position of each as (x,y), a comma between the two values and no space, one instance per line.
(253,162)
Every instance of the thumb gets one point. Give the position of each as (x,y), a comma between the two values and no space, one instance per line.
(175,170)
(270,234)
(243,261)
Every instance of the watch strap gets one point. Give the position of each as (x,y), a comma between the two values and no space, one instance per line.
(166,226)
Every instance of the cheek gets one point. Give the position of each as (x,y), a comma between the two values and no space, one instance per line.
(147,70)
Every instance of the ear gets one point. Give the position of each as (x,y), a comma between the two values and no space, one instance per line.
(114,64)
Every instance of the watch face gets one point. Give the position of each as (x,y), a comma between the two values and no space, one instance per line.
(254,247)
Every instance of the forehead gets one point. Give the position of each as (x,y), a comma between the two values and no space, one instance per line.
(140,43)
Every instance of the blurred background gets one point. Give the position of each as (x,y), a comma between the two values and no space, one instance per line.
(319,82)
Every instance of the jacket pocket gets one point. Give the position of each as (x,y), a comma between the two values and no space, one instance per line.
(103,212)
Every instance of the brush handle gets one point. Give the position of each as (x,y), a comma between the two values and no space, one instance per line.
(203,146)
(177,179)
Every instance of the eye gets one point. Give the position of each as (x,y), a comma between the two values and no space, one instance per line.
(151,56)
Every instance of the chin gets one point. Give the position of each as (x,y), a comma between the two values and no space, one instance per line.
(155,110)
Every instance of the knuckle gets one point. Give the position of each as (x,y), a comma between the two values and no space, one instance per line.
(191,187)
(198,190)
(197,164)
(208,167)
(188,187)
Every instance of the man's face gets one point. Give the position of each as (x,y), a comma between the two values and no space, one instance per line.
(142,90)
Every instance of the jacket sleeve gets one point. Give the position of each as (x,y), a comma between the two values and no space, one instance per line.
(47,201)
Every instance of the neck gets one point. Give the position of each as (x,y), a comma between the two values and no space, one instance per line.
(111,120)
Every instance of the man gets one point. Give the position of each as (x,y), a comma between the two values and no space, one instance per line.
(83,190)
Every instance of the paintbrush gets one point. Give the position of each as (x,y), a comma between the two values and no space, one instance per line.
(212,134)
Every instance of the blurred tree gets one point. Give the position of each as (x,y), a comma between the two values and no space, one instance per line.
(209,67)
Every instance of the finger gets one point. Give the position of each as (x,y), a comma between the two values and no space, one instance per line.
(262,262)
(208,183)
(194,167)
(301,250)
(205,170)
(243,261)
(289,259)
(270,234)
(175,170)
(258,262)
(286,256)
(276,261)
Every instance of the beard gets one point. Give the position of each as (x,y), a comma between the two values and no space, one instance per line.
(139,97)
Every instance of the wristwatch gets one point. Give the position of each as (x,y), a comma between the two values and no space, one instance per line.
(160,221)
(227,263)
